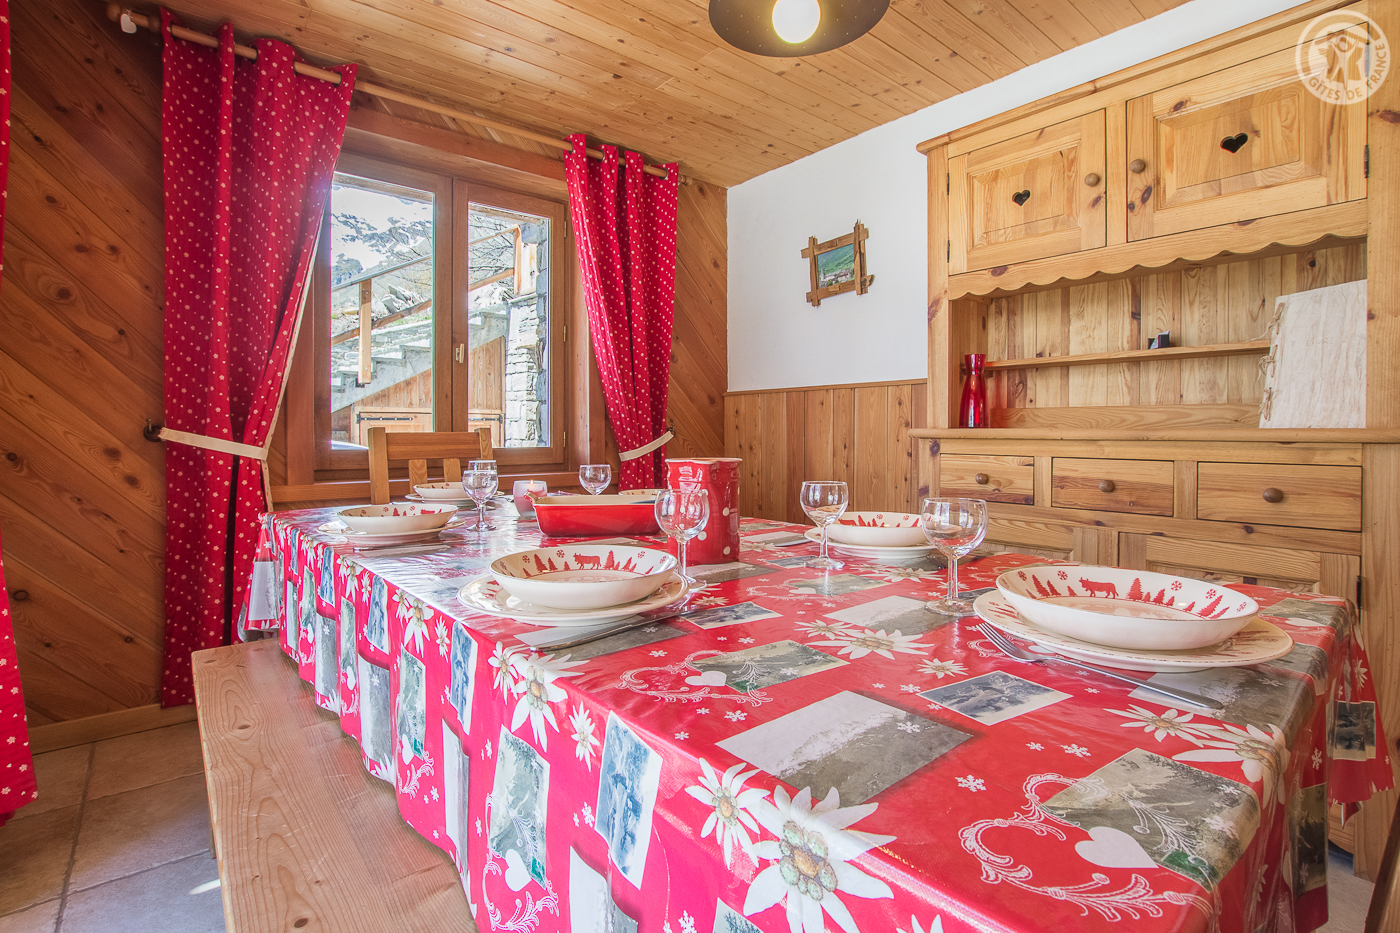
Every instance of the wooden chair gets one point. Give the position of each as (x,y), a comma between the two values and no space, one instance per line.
(417,448)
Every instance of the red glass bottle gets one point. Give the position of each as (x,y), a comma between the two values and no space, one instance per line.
(972,410)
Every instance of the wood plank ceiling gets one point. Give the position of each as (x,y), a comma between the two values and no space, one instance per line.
(652,75)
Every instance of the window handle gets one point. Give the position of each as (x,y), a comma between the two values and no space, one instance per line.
(460,352)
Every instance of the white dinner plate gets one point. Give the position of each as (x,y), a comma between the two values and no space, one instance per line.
(868,550)
(1257,642)
(466,502)
(359,539)
(484,594)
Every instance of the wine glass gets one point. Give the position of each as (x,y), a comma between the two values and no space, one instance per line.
(595,477)
(682,514)
(824,502)
(955,527)
(482,465)
(481,486)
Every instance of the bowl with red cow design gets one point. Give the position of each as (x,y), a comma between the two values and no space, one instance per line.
(397,517)
(584,576)
(878,529)
(1125,608)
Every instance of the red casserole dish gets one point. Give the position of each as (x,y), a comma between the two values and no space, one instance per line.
(585,516)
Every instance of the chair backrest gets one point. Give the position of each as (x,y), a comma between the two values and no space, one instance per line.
(451,447)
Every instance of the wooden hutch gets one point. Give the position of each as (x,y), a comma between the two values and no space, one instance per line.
(1181,195)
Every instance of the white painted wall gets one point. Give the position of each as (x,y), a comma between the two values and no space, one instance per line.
(776,339)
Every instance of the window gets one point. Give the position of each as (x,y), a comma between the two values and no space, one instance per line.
(382,309)
(437,304)
(508,318)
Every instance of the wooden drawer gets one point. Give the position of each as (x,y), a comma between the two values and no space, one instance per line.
(1038,195)
(1239,144)
(997,479)
(1140,486)
(1280,494)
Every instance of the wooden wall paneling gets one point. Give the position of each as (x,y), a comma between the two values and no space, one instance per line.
(795,459)
(872,472)
(772,466)
(81,492)
(90,649)
(699,360)
(843,436)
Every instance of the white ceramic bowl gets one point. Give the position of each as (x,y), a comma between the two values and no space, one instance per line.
(879,529)
(1126,608)
(397,517)
(583,576)
(441,491)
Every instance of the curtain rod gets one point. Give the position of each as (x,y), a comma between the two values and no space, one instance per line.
(118,13)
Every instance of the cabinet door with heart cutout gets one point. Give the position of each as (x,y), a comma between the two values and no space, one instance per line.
(1240,144)
(1037,195)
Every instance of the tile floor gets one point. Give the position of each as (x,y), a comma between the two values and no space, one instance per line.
(118,842)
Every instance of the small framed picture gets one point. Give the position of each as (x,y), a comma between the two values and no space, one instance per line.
(838,265)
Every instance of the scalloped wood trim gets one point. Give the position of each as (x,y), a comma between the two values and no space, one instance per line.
(1320,227)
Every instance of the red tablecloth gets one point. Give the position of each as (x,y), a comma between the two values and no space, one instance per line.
(806,752)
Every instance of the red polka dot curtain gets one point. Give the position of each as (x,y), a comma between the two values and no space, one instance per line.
(16,764)
(249,148)
(625,223)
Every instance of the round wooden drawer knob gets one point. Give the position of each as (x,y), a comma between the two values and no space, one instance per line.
(1106,485)
(1273,495)
(1137,166)
(1092,179)
(981,479)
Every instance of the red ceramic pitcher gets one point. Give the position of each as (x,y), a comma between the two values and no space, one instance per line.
(718,541)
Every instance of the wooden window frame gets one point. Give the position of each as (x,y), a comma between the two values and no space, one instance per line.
(578,433)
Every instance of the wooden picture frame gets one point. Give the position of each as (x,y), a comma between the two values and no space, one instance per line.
(838,265)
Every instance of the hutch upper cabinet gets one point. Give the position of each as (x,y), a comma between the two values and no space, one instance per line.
(1245,142)
(1183,195)
(1032,196)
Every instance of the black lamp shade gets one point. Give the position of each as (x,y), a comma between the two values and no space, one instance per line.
(748,25)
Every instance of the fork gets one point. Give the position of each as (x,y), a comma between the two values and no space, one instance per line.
(1017,653)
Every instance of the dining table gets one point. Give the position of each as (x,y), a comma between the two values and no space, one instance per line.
(801,750)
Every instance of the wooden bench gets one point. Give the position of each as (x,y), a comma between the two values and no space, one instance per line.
(306,839)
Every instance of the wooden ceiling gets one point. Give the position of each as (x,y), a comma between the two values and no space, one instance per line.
(652,75)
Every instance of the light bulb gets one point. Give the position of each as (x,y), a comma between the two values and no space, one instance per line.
(796,20)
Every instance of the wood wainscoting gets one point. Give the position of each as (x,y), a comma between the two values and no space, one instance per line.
(856,433)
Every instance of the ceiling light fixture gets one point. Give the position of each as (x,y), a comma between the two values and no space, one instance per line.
(791,28)
(795,20)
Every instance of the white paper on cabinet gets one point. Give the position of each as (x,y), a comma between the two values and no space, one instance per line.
(1315,373)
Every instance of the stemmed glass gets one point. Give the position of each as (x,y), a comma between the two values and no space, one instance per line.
(595,477)
(682,514)
(824,502)
(955,527)
(481,486)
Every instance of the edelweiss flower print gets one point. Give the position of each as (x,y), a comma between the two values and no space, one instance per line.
(797,753)
(812,857)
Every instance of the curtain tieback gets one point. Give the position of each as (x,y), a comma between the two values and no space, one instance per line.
(215,443)
(646,448)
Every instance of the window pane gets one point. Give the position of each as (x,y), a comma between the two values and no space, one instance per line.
(508,315)
(381,273)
